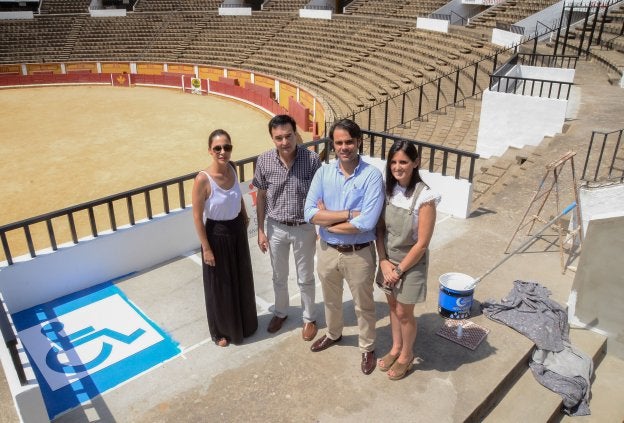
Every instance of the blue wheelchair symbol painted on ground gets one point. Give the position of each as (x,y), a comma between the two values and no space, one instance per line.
(86,343)
(53,331)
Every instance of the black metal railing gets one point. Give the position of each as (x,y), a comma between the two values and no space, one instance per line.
(606,158)
(319,7)
(91,219)
(429,154)
(440,16)
(531,86)
(430,96)
(106,214)
(451,88)
(461,21)
(547,60)
(510,28)
(593,16)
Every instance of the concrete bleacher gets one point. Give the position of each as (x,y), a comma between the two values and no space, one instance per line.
(64,6)
(353,75)
(284,5)
(176,5)
(394,8)
(509,12)
(34,40)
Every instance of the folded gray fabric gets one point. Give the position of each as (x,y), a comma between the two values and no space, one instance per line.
(555,363)
(567,373)
(528,310)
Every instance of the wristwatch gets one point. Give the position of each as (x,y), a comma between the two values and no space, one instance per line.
(398,270)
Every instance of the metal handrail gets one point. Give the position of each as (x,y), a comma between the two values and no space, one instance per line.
(512,82)
(453,74)
(548,60)
(433,149)
(614,156)
(174,184)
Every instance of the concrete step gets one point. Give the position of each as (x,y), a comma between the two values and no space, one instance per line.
(528,400)
(606,402)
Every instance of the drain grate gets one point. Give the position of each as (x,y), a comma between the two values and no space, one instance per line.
(471,333)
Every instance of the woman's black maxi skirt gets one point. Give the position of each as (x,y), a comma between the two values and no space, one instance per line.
(228,286)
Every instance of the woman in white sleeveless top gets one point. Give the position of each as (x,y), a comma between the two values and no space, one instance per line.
(221,223)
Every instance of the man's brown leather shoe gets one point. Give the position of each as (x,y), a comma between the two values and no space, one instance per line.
(276,324)
(309,331)
(323,343)
(368,362)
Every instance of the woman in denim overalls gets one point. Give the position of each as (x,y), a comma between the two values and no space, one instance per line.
(403,236)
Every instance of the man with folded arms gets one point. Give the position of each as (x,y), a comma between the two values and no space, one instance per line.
(283,176)
(345,200)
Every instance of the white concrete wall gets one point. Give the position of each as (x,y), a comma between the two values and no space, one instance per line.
(315,13)
(549,16)
(235,11)
(438,25)
(597,292)
(516,120)
(106,13)
(17,15)
(600,201)
(505,38)
(74,267)
(456,193)
(550,74)
(483,2)
(460,8)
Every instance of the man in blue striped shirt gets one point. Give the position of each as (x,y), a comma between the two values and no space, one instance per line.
(345,199)
(283,176)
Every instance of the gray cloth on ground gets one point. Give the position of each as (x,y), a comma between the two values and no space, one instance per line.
(556,364)
(567,373)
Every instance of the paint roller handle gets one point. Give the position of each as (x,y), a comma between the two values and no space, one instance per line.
(524,244)
(565,211)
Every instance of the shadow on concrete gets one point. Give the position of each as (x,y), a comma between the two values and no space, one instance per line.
(432,351)
(480,212)
(94,411)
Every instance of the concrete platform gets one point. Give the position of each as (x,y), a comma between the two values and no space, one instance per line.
(277,378)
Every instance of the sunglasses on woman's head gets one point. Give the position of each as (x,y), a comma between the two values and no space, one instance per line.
(225,147)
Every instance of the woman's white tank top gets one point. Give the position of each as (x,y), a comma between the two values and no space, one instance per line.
(222,204)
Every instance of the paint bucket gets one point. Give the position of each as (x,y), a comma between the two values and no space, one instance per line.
(455,298)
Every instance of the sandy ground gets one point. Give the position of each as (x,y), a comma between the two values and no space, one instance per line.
(66,145)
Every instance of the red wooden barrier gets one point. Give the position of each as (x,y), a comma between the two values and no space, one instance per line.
(300,114)
(230,81)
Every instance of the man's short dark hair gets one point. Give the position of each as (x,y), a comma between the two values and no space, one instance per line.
(348,125)
(281,120)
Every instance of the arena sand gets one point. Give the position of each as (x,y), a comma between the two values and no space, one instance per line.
(67,145)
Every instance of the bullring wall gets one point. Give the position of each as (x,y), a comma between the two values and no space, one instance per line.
(308,111)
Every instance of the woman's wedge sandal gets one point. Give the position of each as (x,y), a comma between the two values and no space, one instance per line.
(400,369)
(385,362)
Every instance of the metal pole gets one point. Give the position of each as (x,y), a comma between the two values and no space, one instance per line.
(559,31)
(580,49)
(567,33)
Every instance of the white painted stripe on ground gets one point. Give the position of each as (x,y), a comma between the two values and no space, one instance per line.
(447,217)
(192,347)
(194,257)
(264,305)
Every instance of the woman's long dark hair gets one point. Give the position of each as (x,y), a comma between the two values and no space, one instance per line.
(410,150)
